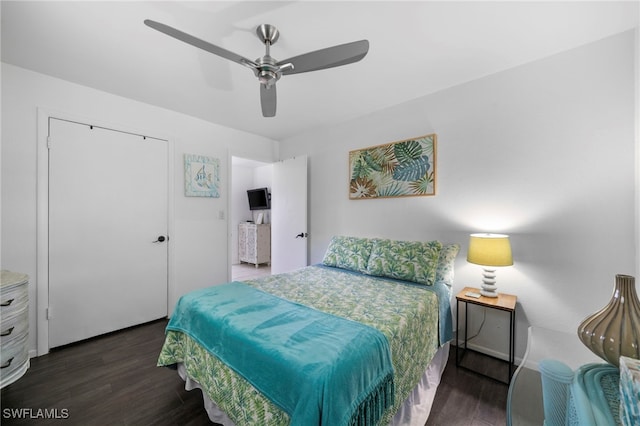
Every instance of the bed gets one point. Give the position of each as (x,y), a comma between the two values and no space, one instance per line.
(360,339)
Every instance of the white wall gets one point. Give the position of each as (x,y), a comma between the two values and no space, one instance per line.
(199,239)
(543,152)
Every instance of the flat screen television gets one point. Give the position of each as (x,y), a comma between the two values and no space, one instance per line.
(259,199)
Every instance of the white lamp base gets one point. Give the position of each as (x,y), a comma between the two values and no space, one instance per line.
(488,293)
(489,288)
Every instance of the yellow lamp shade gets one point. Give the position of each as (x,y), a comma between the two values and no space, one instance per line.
(490,250)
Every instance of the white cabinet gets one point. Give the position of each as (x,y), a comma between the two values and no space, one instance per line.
(14,326)
(254,243)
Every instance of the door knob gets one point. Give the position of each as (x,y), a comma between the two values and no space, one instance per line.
(302,235)
(161,239)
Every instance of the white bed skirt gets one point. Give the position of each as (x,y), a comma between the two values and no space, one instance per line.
(414,411)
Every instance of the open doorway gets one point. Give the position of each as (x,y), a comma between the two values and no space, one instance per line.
(249,226)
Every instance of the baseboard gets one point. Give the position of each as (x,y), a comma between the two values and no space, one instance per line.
(489,351)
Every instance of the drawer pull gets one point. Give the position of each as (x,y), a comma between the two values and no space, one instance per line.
(8,363)
(7,332)
(7,303)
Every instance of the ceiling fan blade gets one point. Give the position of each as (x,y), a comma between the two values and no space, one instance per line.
(201,44)
(329,57)
(268,100)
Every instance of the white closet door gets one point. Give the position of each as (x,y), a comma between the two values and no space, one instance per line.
(107,207)
(289,215)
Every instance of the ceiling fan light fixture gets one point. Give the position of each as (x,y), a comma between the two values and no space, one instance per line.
(268,78)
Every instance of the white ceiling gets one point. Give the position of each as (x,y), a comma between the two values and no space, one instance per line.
(416,48)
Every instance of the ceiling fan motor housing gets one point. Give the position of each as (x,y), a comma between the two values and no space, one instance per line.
(268,72)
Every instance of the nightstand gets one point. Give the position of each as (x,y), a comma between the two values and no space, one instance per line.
(504,302)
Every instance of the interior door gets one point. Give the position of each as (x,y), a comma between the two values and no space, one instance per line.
(289,215)
(108,216)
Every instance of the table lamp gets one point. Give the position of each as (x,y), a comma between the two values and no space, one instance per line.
(489,251)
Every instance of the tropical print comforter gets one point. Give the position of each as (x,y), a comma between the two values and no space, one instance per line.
(406,313)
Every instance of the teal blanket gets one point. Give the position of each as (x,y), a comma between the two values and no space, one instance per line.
(319,368)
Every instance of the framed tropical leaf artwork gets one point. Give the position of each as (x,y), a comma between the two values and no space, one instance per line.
(398,169)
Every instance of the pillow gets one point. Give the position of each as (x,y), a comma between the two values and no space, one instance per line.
(348,253)
(405,260)
(444,271)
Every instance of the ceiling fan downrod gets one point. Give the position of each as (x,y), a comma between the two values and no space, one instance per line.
(268,71)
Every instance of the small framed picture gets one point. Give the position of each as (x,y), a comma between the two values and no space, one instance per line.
(201,176)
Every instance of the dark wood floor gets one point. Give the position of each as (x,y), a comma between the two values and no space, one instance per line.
(466,398)
(113,380)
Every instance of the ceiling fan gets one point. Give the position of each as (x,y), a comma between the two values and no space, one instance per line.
(269,70)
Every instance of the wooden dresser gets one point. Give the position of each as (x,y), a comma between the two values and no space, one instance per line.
(14,326)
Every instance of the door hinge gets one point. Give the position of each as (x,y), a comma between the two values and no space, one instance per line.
(48,142)
(49,316)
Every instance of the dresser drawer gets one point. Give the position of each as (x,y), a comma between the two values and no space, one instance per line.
(14,292)
(14,326)
(13,300)
(13,356)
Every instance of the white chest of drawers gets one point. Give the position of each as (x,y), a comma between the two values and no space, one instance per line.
(14,326)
